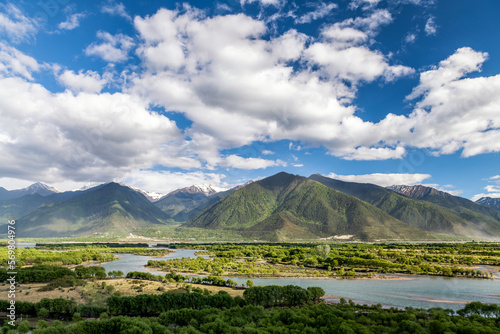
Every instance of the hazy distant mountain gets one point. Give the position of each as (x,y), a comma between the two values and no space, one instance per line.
(183,204)
(109,209)
(286,207)
(491,202)
(18,207)
(21,206)
(421,214)
(486,219)
(36,188)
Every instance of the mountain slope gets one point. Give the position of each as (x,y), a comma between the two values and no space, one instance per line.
(21,206)
(485,219)
(421,214)
(491,202)
(285,206)
(18,207)
(110,209)
(36,188)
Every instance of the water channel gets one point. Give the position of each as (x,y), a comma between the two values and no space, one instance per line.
(400,291)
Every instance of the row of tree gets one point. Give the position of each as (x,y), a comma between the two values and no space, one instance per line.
(310,319)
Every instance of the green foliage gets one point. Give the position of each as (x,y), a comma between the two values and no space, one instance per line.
(287,207)
(427,209)
(313,318)
(40,273)
(111,209)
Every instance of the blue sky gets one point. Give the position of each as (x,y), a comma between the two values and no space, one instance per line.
(164,94)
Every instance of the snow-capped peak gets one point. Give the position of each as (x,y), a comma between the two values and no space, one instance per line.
(206,189)
(150,195)
(41,189)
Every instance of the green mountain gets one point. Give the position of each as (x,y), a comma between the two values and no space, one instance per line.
(424,215)
(17,207)
(111,209)
(285,207)
(485,219)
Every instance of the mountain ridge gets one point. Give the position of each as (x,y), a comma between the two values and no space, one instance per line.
(264,207)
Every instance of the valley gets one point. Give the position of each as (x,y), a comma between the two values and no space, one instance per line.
(280,208)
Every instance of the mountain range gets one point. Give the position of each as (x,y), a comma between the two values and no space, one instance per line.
(281,207)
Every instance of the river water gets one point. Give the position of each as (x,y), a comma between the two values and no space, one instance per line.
(402,291)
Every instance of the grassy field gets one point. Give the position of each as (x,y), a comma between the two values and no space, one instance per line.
(96,292)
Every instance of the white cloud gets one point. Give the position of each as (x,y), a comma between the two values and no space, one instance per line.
(365,4)
(298,165)
(116,9)
(478,196)
(322,10)
(493,190)
(165,182)
(235,161)
(383,179)
(15,63)
(81,137)
(72,22)
(374,153)
(89,82)
(267,152)
(410,38)
(114,48)
(16,25)
(430,27)
(237,87)
(276,3)
(467,106)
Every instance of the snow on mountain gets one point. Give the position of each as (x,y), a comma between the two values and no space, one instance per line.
(491,202)
(203,188)
(40,189)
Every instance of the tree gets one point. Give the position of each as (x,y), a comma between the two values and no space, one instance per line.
(43,313)
(249,283)
(23,327)
(323,251)
(77,316)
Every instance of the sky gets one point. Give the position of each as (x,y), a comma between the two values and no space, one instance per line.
(162,94)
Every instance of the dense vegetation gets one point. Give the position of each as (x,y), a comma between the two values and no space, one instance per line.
(437,212)
(111,209)
(338,259)
(287,207)
(32,256)
(313,318)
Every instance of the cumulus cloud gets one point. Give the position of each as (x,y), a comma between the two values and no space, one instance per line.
(89,82)
(467,106)
(72,22)
(493,189)
(382,179)
(15,63)
(15,25)
(235,161)
(238,87)
(85,136)
(165,181)
(113,49)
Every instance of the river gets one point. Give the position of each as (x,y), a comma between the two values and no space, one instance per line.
(402,291)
